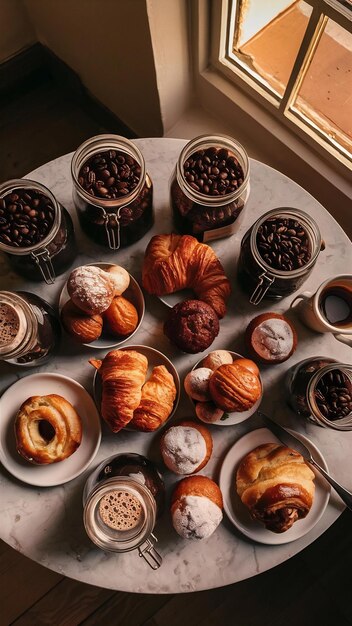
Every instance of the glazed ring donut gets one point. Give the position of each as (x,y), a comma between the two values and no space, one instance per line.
(174,262)
(47,429)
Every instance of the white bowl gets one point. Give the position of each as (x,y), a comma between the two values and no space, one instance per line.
(154,358)
(133,293)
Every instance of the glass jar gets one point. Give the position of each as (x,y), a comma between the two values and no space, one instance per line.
(38,259)
(318,384)
(211,215)
(256,276)
(29,329)
(122,499)
(120,221)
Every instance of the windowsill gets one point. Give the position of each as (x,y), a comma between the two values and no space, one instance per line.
(230,111)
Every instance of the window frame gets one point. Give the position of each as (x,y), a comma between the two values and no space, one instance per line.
(221,33)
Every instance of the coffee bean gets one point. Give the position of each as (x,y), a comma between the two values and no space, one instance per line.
(333,395)
(218,170)
(18,220)
(278,237)
(100,174)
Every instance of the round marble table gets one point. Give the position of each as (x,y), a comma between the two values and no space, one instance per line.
(46,524)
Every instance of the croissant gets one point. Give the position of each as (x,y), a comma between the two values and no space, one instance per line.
(158,397)
(276,485)
(123,373)
(173,262)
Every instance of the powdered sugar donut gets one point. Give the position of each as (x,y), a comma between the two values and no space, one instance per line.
(271,338)
(197,383)
(186,447)
(196,507)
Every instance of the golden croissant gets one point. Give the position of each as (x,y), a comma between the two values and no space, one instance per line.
(158,397)
(123,373)
(276,485)
(173,262)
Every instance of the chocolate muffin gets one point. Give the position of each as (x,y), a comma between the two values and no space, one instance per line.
(192,326)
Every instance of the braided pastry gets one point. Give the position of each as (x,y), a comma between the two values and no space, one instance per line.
(174,262)
(47,429)
(276,485)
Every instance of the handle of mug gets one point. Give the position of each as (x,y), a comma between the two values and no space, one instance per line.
(344,339)
(301,296)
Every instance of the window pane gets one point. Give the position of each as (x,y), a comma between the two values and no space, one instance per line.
(325,96)
(268,36)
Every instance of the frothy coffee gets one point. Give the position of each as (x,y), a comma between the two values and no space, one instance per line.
(120,510)
(9,324)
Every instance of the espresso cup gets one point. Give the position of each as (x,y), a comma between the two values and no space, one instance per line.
(329,309)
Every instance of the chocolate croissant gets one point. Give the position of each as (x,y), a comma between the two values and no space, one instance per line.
(123,373)
(174,262)
(157,401)
(276,485)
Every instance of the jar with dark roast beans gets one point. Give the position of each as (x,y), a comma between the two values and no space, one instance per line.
(29,329)
(278,253)
(112,192)
(36,232)
(320,389)
(209,187)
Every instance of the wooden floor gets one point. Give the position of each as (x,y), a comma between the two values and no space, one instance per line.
(312,589)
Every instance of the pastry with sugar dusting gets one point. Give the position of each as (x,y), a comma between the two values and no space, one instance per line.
(186,447)
(271,338)
(196,507)
(91,289)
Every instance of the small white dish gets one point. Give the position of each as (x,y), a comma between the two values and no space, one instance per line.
(239,514)
(170,299)
(133,293)
(154,358)
(54,473)
(235,417)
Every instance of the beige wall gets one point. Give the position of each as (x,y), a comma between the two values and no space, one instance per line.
(108,44)
(169,28)
(16,30)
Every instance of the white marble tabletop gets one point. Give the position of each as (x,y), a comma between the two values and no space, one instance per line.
(46,524)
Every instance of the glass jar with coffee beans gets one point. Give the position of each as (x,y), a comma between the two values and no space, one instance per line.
(320,389)
(209,187)
(29,329)
(278,253)
(112,192)
(36,232)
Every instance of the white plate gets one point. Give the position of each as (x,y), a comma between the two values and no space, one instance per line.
(154,358)
(235,417)
(239,514)
(133,293)
(55,473)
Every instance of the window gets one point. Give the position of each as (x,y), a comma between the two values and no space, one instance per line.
(296,56)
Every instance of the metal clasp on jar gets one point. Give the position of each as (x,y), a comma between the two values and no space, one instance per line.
(112,227)
(265,281)
(43,261)
(149,554)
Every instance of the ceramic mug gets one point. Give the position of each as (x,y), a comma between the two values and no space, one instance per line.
(329,309)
